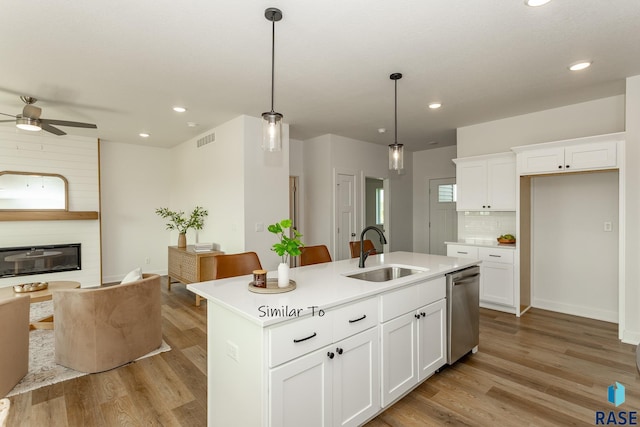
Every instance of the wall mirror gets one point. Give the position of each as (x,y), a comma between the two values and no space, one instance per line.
(21,191)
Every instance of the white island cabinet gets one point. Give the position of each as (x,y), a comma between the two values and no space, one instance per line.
(332,352)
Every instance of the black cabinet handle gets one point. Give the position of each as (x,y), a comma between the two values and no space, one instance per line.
(483,206)
(339,350)
(364,316)
(559,166)
(417,316)
(496,256)
(489,206)
(567,166)
(331,355)
(304,339)
(460,252)
(423,314)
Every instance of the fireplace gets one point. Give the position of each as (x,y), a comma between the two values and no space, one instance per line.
(26,260)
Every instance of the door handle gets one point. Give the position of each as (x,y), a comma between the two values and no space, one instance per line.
(353,234)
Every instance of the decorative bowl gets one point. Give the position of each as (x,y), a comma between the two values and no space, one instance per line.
(30,287)
(506,241)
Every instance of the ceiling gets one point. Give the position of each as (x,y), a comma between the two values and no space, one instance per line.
(123,64)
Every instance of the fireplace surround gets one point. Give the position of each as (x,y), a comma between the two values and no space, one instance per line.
(27,260)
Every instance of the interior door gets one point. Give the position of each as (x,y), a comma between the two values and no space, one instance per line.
(345,214)
(443,218)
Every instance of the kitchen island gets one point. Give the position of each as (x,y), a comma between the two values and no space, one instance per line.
(334,351)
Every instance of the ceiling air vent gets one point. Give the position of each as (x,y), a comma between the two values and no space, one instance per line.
(206,140)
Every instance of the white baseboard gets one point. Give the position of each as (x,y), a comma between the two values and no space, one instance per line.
(631,337)
(576,310)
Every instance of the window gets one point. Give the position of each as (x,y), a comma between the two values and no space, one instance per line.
(447,193)
(379,206)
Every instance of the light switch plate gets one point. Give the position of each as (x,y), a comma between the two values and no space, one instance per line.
(608,226)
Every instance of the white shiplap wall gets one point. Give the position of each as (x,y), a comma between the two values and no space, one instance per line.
(76,158)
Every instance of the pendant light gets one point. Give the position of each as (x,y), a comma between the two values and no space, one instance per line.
(396,151)
(272,121)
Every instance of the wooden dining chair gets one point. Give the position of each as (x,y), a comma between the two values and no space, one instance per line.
(354,247)
(232,265)
(314,255)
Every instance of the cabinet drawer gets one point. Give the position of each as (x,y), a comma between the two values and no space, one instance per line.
(496,255)
(432,291)
(299,337)
(462,251)
(397,303)
(353,318)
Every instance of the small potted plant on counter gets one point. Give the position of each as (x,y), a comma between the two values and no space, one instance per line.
(287,246)
(178,221)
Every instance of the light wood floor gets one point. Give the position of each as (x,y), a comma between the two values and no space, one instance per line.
(543,369)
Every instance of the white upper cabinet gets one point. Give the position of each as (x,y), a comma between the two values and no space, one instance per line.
(486,183)
(582,154)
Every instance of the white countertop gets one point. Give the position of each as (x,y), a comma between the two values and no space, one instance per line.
(323,286)
(483,243)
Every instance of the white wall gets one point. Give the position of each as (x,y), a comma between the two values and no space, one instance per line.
(572,121)
(75,158)
(327,153)
(428,164)
(575,262)
(135,180)
(317,198)
(632,212)
(266,191)
(212,176)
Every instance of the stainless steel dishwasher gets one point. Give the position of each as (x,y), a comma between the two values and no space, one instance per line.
(463,312)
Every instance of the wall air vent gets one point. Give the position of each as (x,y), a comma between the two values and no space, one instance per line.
(206,140)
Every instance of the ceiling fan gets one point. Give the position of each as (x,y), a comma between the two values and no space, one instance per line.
(30,119)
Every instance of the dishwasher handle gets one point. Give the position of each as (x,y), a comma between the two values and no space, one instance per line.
(462,274)
(467,279)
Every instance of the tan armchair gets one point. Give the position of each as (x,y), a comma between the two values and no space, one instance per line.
(102,328)
(14,336)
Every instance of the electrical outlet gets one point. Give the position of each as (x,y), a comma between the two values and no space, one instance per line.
(147,260)
(608,226)
(259,226)
(232,350)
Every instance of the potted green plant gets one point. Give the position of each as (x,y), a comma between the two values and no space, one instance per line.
(178,221)
(289,245)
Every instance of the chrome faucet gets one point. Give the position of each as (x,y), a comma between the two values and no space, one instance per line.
(363,254)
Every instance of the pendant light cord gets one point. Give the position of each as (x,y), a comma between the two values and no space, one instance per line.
(395,140)
(273,58)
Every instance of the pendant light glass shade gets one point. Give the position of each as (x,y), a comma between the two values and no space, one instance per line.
(396,157)
(396,151)
(272,121)
(271,131)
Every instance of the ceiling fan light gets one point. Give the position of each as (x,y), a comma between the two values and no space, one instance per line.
(271,131)
(27,123)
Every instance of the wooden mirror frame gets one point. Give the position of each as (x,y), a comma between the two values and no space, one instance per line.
(54,175)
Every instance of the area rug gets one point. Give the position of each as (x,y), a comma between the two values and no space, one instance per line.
(43,370)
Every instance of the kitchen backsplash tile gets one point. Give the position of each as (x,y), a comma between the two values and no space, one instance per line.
(485,225)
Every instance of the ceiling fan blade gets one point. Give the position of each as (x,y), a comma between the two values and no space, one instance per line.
(49,128)
(66,123)
(10,115)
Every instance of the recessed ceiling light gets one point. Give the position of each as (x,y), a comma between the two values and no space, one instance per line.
(382,130)
(580,65)
(179,109)
(192,124)
(144,135)
(536,3)
(435,105)
(432,143)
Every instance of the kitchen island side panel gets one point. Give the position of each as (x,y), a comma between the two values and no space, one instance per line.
(234,370)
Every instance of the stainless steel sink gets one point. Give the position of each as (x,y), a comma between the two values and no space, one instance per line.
(384,274)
